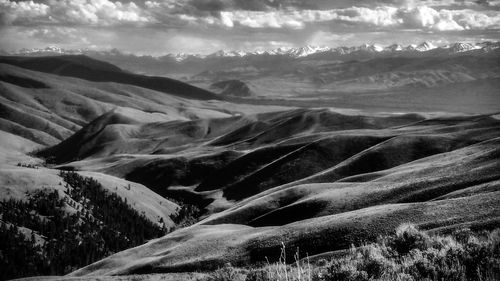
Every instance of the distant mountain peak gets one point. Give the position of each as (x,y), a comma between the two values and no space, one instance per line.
(298,52)
(394,48)
(301,52)
(371,48)
(48,49)
(463,47)
(223,53)
(425,46)
(307,50)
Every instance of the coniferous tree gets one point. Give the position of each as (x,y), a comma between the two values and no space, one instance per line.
(103,224)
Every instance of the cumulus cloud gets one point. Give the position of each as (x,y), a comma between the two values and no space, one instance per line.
(17,12)
(428,18)
(97,12)
(255,14)
(90,12)
(297,19)
(444,20)
(271,19)
(238,24)
(472,20)
(451,3)
(420,17)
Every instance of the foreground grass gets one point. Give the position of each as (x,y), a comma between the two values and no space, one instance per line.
(409,254)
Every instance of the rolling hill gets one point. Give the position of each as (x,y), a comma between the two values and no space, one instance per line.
(84,67)
(459,83)
(232,88)
(298,177)
(231,182)
(460,77)
(48,108)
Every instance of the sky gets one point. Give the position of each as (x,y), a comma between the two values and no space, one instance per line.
(157,27)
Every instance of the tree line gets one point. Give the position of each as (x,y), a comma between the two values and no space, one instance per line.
(74,229)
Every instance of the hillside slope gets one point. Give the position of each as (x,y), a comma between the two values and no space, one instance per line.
(48,108)
(52,223)
(84,67)
(296,177)
(22,174)
(245,179)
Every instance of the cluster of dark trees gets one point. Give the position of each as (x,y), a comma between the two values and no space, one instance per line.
(187,215)
(24,165)
(102,224)
(19,255)
(110,209)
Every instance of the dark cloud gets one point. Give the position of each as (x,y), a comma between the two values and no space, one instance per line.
(483,2)
(210,5)
(214,6)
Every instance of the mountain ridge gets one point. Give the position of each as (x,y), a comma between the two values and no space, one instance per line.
(294,52)
(82,66)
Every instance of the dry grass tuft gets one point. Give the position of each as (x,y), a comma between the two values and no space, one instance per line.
(407,255)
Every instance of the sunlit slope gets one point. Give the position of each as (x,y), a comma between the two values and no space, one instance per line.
(48,108)
(242,156)
(296,177)
(17,182)
(211,246)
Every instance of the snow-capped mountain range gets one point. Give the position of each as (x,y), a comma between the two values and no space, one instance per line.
(299,52)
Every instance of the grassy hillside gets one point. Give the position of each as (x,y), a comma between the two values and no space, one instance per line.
(295,177)
(406,254)
(48,229)
(51,113)
(94,70)
(236,182)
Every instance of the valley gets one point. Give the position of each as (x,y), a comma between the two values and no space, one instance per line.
(394,78)
(318,157)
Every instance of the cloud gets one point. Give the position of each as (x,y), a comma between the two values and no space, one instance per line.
(215,6)
(471,20)
(97,12)
(253,14)
(252,19)
(451,3)
(15,12)
(85,12)
(297,19)
(151,26)
(39,37)
(379,16)
(57,35)
(420,17)
(428,18)
(323,38)
(445,20)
